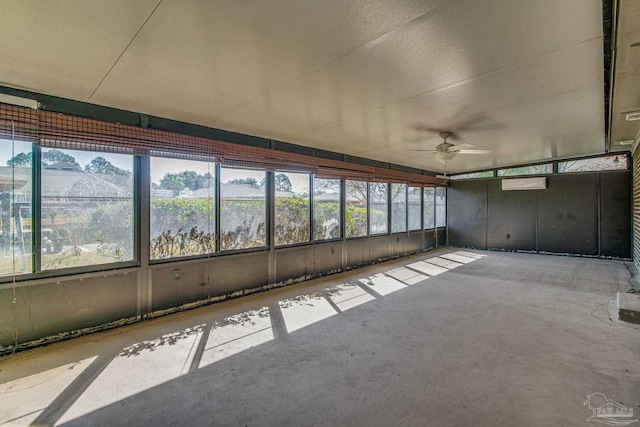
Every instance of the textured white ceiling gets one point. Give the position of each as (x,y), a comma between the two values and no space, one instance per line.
(361,77)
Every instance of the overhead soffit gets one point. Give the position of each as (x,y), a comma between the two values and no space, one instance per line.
(358,77)
(626,89)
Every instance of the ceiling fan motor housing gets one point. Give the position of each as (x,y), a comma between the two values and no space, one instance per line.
(444,146)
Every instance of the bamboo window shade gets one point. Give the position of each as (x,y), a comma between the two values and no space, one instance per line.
(56,130)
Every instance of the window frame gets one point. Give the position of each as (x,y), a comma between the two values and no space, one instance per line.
(424,210)
(366,206)
(269,202)
(215,207)
(341,210)
(387,210)
(406,209)
(420,213)
(135,212)
(435,211)
(309,216)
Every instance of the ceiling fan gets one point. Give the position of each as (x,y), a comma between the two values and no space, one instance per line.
(445,151)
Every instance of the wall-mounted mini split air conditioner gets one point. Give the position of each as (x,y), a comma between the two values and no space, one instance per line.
(23,102)
(535,183)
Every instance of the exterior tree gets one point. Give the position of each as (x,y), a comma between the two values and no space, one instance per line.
(186,179)
(249,182)
(323,186)
(100,165)
(51,157)
(358,189)
(283,183)
(526,170)
(107,171)
(20,160)
(378,191)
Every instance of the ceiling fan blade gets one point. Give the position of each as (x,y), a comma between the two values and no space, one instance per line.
(473,151)
(482,128)
(462,146)
(430,151)
(480,121)
(427,129)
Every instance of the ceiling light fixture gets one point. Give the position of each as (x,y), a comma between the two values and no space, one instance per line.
(444,156)
(626,142)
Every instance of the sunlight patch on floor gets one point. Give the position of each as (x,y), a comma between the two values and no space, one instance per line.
(458,258)
(427,268)
(305,310)
(137,368)
(382,284)
(442,262)
(236,334)
(24,399)
(406,275)
(348,295)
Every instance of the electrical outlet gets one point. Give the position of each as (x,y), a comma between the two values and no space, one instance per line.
(508,236)
(176,274)
(333,250)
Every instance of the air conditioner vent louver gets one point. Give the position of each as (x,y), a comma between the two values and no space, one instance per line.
(630,117)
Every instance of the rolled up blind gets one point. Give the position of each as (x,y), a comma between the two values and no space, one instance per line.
(56,130)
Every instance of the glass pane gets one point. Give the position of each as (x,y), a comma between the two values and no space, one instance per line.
(379,205)
(398,208)
(326,209)
(485,174)
(414,201)
(243,209)
(429,208)
(182,208)
(292,208)
(617,162)
(356,209)
(527,170)
(15,207)
(441,206)
(87,211)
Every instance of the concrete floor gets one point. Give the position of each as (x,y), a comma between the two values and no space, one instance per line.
(463,338)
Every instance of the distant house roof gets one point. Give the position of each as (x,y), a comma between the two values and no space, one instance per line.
(65,180)
(238,191)
(327,197)
(18,179)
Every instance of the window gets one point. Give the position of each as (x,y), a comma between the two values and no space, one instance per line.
(182,208)
(414,208)
(243,209)
(527,170)
(441,206)
(485,174)
(292,210)
(429,208)
(326,209)
(15,207)
(398,208)
(87,211)
(356,208)
(604,163)
(379,207)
